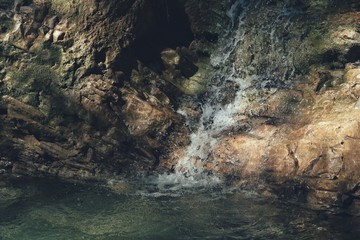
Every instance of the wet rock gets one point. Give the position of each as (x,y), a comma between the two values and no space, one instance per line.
(320,153)
(181,72)
(99,95)
(206,17)
(142,117)
(105,110)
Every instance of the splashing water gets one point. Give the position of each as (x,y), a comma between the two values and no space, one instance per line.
(43,209)
(215,117)
(234,77)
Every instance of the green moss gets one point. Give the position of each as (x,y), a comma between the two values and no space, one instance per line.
(29,83)
(35,78)
(39,80)
(5,23)
(48,55)
(291,105)
(317,38)
(195,84)
(5,26)
(62,6)
(2,53)
(39,76)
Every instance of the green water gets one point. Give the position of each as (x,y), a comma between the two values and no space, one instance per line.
(49,209)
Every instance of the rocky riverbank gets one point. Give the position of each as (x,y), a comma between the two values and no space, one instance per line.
(121,88)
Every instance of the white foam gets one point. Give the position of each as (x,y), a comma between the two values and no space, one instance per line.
(218,118)
(215,117)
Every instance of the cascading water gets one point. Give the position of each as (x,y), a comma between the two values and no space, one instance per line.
(255,53)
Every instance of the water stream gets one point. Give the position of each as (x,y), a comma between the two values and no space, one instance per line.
(46,209)
(189,204)
(240,67)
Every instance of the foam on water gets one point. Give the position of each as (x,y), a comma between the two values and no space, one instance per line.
(218,118)
(45,209)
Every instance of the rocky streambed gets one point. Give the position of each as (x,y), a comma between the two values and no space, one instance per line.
(255,95)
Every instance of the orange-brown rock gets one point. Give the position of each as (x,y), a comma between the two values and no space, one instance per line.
(96,89)
(315,146)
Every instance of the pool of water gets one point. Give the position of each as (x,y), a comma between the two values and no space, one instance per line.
(51,209)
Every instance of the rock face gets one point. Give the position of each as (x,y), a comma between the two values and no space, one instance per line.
(117,88)
(303,127)
(295,117)
(76,101)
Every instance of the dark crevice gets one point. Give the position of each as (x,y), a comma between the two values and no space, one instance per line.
(353,54)
(6,4)
(338,59)
(3,110)
(125,62)
(330,56)
(114,9)
(96,70)
(324,78)
(208,36)
(166,26)
(170,29)
(100,56)
(345,6)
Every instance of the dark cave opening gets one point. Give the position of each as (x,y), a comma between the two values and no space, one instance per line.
(330,56)
(3,110)
(100,56)
(338,59)
(170,29)
(353,54)
(164,24)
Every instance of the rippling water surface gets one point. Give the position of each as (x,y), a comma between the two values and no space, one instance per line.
(50,209)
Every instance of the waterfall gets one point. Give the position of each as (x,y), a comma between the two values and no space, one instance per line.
(270,66)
